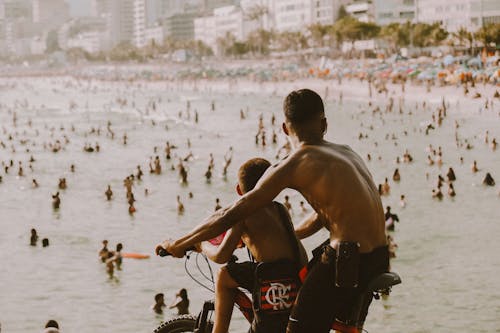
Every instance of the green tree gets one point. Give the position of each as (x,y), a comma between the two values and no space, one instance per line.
(342,13)
(318,33)
(124,51)
(291,40)
(397,35)
(464,37)
(425,35)
(225,43)
(489,33)
(259,40)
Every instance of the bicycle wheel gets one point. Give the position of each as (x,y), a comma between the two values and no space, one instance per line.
(181,324)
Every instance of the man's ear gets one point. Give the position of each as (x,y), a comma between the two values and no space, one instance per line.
(324,125)
(238,189)
(285,129)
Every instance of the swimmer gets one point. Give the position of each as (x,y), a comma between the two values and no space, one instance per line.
(45,242)
(34,237)
(437,194)
(474,167)
(390,219)
(217,204)
(56,201)
(402,201)
(181,302)
(180,206)
(104,252)
(494,144)
(182,172)
(108,193)
(287,203)
(451,175)
(386,188)
(72,168)
(139,173)
(488,180)
(117,257)
(396,176)
(62,184)
(303,207)
(34,183)
(451,190)
(157,165)
(208,174)
(159,304)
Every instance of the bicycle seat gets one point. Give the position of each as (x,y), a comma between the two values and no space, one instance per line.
(383,282)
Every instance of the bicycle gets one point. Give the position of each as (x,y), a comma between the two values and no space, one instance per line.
(202,323)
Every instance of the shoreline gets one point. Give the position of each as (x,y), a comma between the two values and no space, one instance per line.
(329,89)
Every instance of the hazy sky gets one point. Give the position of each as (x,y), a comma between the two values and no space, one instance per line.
(79,7)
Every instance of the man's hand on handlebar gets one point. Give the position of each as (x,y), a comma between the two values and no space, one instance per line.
(175,251)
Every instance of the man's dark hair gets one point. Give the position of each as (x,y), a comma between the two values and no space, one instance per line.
(250,173)
(301,106)
(52,323)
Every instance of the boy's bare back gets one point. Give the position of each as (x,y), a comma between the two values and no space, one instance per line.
(267,238)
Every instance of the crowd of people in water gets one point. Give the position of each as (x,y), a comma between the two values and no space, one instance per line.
(170,158)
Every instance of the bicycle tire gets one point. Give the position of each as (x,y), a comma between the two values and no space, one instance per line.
(181,324)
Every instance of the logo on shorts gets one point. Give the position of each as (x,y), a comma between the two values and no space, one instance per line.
(278,295)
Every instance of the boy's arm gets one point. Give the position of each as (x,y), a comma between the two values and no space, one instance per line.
(222,253)
(311,225)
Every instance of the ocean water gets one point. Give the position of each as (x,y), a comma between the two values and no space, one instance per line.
(447,251)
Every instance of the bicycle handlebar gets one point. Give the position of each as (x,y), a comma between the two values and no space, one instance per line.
(164,253)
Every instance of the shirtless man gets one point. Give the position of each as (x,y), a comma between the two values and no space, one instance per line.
(266,236)
(340,189)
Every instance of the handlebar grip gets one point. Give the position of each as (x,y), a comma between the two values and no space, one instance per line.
(164,253)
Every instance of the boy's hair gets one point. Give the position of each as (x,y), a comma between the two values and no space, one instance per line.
(250,173)
(301,106)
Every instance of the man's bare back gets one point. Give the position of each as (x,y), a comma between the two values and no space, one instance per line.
(348,203)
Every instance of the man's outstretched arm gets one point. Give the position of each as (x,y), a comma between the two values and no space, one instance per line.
(269,186)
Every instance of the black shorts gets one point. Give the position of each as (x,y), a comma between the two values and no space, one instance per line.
(320,302)
(243,273)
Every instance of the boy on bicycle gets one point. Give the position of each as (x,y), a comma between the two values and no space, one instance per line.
(268,234)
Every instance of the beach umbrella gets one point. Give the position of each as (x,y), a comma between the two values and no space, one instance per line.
(448,60)
(414,73)
(475,62)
